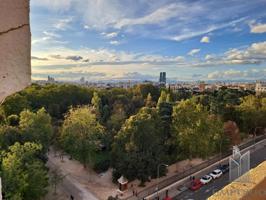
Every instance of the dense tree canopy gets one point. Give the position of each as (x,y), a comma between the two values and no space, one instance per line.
(197,132)
(82,134)
(36,127)
(138,147)
(253,113)
(140,127)
(24,176)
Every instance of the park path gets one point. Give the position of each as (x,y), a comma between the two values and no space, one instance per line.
(81,183)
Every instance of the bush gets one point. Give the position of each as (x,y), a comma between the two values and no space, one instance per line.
(116,175)
(102,165)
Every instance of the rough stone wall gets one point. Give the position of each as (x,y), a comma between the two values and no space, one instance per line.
(15,46)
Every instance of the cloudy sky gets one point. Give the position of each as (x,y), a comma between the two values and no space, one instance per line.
(136,39)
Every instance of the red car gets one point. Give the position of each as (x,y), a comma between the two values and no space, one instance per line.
(195,185)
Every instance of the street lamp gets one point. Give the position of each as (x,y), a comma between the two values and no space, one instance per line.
(221,150)
(158,174)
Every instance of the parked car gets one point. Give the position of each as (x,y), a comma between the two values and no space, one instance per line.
(216,173)
(195,185)
(224,168)
(205,179)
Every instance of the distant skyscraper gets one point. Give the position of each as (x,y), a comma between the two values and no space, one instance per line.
(162,79)
(82,80)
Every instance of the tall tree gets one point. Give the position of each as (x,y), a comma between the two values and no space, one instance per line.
(36,127)
(132,157)
(14,104)
(253,113)
(24,176)
(81,134)
(197,132)
(149,102)
(162,98)
(97,104)
(8,136)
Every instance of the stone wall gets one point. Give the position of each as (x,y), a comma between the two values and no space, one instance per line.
(15,46)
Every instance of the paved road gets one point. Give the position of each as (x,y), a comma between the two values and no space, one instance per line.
(206,191)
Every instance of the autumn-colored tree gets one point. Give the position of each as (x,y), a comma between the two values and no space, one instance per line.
(231,130)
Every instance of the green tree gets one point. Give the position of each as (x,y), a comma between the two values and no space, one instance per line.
(36,127)
(81,134)
(24,176)
(197,132)
(13,120)
(168,98)
(252,113)
(55,178)
(149,102)
(97,104)
(162,98)
(144,89)
(137,148)
(14,104)
(8,136)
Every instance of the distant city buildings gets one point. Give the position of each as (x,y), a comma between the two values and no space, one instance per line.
(162,79)
(50,79)
(202,86)
(260,87)
(82,80)
(192,86)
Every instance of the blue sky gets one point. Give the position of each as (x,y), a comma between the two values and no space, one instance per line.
(136,39)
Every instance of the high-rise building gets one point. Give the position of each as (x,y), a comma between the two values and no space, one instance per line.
(82,80)
(162,79)
(260,87)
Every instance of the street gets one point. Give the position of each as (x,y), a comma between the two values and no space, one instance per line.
(206,191)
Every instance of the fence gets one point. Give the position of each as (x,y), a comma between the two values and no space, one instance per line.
(164,183)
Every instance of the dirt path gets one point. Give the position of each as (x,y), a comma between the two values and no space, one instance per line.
(81,183)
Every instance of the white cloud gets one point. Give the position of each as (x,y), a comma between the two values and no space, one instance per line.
(193,52)
(161,14)
(51,34)
(47,38)
(114,42)
(175,20)
(110,35)
(258,28)
(63,24)
(256,53)
(190,33)
(61,5)
(86,27)
(205,39)
(251,74)
(209,57)
(103,57)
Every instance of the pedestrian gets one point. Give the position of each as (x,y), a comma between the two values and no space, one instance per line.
(133,191)
(193,178)
(71,197)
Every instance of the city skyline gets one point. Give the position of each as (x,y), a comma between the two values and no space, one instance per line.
(135,40)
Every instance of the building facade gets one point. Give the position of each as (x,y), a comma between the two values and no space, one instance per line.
(260,87)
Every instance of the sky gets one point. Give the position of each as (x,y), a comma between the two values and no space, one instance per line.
(120,40)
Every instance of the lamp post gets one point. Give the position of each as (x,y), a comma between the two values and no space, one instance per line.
(158,174)
(221,150)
